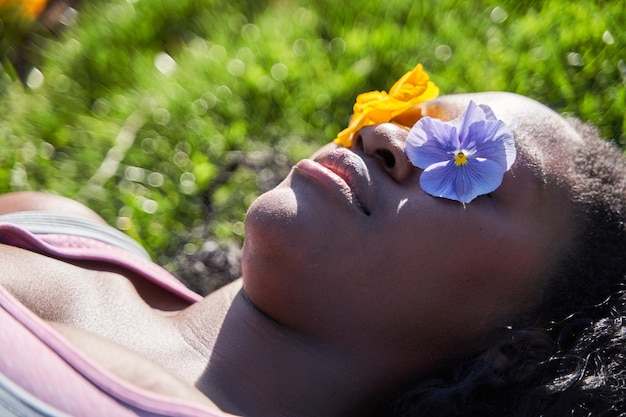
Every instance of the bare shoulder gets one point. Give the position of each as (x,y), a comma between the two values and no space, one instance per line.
(39,201)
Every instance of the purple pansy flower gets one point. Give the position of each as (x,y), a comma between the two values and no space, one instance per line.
(463,158)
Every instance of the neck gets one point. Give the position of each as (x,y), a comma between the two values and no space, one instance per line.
(257,367)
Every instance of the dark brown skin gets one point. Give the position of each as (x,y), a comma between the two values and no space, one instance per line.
(348,291)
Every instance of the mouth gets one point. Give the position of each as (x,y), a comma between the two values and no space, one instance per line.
(342,171)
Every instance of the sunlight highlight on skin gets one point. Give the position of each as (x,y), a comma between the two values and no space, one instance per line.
(402,203)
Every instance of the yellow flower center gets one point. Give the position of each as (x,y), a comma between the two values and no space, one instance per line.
(460,158)
(399,105)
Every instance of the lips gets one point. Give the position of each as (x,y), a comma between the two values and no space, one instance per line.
(341,170)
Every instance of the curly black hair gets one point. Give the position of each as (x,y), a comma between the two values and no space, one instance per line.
(568,357)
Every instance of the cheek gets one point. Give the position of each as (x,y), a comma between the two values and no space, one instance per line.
(501,275)
(484,270)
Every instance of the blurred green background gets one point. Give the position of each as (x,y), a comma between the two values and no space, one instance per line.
(169,117)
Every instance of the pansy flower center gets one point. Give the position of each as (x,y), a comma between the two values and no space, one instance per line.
(460,158)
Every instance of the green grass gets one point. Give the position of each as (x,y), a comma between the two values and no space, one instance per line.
(174,155)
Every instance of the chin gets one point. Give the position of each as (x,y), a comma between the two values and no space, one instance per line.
(289,221)
(275,232)
(268,220)
(272,248)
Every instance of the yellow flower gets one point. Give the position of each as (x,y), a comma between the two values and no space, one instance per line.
(398,105)
(28,8)
(33,8)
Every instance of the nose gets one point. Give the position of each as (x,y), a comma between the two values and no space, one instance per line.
(385,142)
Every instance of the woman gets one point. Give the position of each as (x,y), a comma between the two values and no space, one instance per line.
(356,284)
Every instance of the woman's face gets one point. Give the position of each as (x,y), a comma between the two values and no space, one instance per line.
(348,247)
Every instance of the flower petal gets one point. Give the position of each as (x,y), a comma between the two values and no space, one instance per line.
(489,115)
(428,142)
(438,180)
(472,114)
(411,89)
(493,140)
(366,99)
(477,177)
(461,183)
(411,84)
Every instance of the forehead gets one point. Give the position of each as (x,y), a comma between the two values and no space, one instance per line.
(508,107)
(542,136)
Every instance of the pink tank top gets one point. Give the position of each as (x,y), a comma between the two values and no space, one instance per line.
(42,370)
